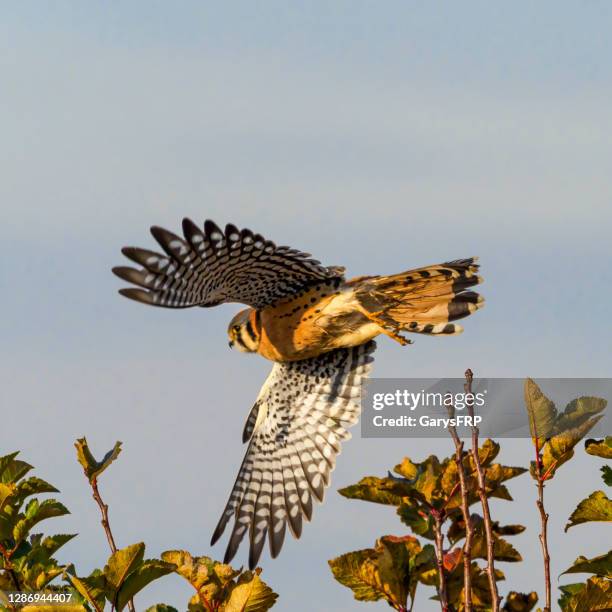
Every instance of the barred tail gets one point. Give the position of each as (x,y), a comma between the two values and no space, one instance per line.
(424,301)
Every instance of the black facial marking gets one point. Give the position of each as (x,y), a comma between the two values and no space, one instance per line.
(250,331)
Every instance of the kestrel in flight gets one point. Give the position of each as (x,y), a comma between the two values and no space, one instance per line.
(317,329)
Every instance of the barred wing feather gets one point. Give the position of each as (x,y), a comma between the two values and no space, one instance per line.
(296,426)
(210,266)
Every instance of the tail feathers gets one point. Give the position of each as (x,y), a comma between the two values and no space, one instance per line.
(423,301)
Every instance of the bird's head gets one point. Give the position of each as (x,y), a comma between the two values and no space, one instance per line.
(243,332)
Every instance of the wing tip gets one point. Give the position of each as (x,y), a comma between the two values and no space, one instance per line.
(137,295)
(220,528)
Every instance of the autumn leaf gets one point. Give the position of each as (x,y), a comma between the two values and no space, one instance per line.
(388,571)
(596,507)
(91,466)
(560,448)
(250,594)
(481,594)
(520,602)
(386,491)
(578,411)
(595,596)
(541,411)
(452,558)
(599,448)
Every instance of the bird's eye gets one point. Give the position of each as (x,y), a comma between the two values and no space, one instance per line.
(236,328)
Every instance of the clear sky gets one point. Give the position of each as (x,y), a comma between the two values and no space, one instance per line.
(377,136)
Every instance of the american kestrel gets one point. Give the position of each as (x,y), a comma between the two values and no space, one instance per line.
(317,329)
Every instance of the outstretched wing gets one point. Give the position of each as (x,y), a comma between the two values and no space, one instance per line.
(296,426)
(210,267)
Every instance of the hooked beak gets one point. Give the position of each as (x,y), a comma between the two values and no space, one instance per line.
(230,344)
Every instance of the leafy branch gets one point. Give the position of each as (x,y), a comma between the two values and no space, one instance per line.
(429,500)
(554,437)
(27,562)
(484,500)
(596,592)
(93,469)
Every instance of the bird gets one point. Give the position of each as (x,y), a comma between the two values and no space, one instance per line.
(318,329)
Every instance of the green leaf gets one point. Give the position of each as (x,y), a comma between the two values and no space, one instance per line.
(161,608)
(33,486)
(121,563)
(12,470)
(51,544)
(606,474)
(596,507)
(541,412)
(5,461)
(250,594)
(601,566)
(140,577)
(599,448)
(91,466)
(92,588)
(35,512)
(520,602)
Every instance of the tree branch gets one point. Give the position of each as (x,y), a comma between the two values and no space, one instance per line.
(106,525)
(543,537)
(465,511)
(439,540)
(484,501)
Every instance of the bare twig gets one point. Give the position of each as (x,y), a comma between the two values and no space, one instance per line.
(484,501)
(104,511)
(439,541)
(544,542)
(543,537)
(106,525)
(465,511)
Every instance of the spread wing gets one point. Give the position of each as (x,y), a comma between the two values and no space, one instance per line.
(209,267)
(295,428)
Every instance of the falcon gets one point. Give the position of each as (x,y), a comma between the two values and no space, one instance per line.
(317,328)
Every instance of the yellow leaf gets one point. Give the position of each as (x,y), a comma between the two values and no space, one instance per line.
(121,563)
(599,448)
(596,507)
(250,594)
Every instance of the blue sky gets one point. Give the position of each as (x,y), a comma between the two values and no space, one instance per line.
(377,138)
